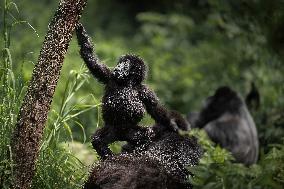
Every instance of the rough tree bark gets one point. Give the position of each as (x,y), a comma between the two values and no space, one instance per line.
(28,133)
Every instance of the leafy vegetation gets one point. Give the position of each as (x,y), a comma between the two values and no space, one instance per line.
(216,169)
(11,92)
(191,48)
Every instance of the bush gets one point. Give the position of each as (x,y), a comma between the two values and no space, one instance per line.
(217,171)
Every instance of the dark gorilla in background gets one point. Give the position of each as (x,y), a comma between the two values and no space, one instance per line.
(228,123)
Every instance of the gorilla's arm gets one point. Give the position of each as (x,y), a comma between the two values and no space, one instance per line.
(154,108)
(180,121)
(100,71)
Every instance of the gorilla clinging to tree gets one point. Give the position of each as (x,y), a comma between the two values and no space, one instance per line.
(125,101)
(227,122)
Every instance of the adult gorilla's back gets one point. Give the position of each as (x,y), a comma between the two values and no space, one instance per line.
(163,165)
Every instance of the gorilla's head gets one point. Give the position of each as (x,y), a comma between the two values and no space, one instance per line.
(130,68)
(224,100)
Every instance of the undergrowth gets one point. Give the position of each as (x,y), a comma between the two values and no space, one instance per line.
(216,170)
(11,93)
(57,167)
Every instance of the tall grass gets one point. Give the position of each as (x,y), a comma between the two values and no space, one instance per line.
(11,93)
(57,167)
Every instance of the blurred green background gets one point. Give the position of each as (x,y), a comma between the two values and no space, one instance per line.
(190,46)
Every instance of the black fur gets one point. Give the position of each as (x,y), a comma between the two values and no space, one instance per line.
(162,165)
(227,122)
(125,101)
(253,98)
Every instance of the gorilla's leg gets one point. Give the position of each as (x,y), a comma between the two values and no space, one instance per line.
(138,137)
(100,140)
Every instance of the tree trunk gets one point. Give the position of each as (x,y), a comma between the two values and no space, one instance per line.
(28,132)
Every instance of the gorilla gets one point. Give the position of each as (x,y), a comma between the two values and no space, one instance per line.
(125,100)
(155,157)
(227,121)
(162,165)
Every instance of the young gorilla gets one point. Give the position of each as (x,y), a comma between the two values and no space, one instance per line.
(227,122)
(125,101)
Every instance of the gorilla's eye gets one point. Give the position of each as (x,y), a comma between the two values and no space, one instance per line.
(122,69)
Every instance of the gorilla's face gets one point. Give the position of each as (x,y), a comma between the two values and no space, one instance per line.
(122,70)
(130,68)
(224,100)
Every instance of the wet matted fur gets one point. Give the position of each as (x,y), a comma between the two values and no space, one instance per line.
(162,165)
